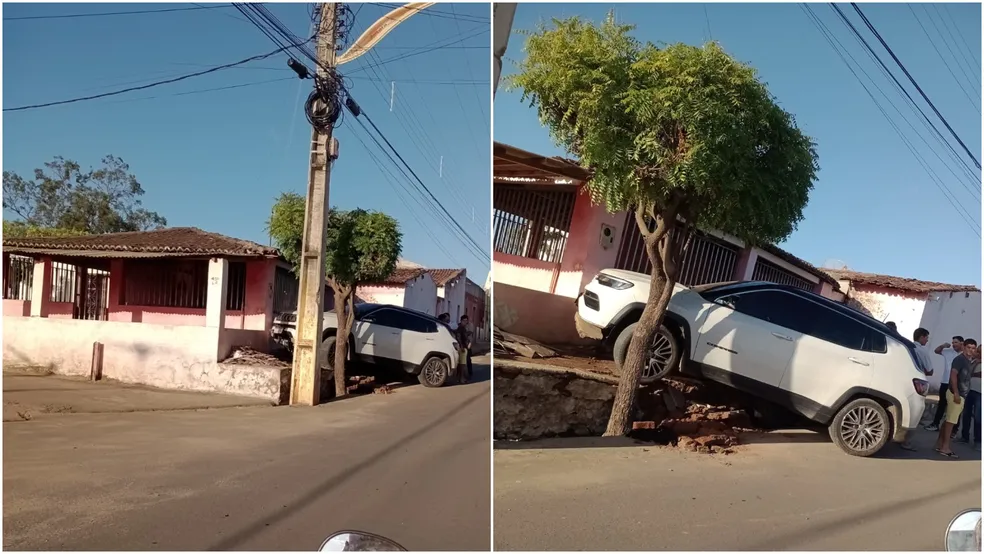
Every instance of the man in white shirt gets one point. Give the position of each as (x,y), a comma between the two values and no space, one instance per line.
(925,366)
(949,351)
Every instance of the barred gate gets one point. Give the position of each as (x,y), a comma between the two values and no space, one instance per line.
(768,271)
(705,260)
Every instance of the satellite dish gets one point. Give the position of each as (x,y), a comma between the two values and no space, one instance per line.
(832,263)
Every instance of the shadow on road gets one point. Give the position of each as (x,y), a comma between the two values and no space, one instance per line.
(328,485)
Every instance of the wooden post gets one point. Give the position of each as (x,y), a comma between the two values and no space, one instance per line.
(96,371)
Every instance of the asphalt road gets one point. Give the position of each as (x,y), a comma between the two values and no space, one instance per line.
(794,492)
(412,466)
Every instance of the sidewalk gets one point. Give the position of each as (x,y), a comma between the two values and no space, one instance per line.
(29,396)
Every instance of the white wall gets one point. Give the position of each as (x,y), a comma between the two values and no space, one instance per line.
(167,356)
(421,295)
(451,297)
(948,314)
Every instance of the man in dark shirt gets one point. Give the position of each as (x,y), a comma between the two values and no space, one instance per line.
(464,336)
(961,373)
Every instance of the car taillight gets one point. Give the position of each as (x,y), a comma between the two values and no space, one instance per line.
(921,386)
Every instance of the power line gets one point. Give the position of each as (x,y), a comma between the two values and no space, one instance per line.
(970,50)
(915,84)
(970,67)
(943,59)
(479,31)
(425,188)
(912,102)
(213,89)
(961,162)
(947,193)
(104,14)
(147,86)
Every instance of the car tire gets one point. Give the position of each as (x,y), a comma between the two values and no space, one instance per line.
(327,353)
(861,428)
(434,373)
(668,346)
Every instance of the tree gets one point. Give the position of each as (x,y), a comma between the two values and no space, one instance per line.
(362,247)
(62,196)
(684,136)
(19,229)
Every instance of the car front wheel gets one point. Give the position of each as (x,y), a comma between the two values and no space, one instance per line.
(861,428)
(662,354)
(434,373)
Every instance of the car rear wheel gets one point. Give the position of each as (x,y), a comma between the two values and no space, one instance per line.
(662,355)
(434,373)
(861,428)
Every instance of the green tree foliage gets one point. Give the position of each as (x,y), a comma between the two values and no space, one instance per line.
(63,196)
(362,247)
(684,136)
(19,229)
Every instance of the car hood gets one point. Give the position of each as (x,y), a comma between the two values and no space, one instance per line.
(290,318)
(637,278)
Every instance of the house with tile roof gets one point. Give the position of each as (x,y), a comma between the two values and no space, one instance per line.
(550,240)
(167,305)
(945,310)
(409,287)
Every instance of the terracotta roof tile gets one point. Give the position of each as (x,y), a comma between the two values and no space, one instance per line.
(442,276)
(171,240)
(799,262)
(898,283)
(400,276)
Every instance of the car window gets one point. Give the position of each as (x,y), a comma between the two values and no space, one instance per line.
(876,342)
(777,307)
(402,320)
(841,330)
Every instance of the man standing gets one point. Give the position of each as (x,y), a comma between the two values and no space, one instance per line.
(949,351)
(956,395)
(972,413)
(464,335)
(921,337)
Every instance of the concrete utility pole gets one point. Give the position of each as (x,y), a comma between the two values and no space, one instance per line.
(502,22)
(306,371)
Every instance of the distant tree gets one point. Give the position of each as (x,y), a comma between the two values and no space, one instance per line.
(683,136)
(19,229)
(63,196)
(362,247)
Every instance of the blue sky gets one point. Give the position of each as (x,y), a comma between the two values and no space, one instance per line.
(873,207)
(217,159)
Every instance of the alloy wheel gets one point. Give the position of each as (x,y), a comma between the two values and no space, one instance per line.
(862,428)
(660,352)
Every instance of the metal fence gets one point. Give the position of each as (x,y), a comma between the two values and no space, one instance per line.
(532,223)
(768,271)
(706,259)
(18,282)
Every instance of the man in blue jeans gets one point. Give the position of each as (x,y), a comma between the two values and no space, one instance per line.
(973,410)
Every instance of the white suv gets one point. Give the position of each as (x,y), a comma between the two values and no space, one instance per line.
(807,353)
(389,337)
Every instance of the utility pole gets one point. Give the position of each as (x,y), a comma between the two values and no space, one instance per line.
(502,22)
(306,371)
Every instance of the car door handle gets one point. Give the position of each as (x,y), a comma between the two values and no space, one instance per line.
(859,362)
(783,337)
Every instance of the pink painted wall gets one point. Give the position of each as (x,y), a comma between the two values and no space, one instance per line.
(21,308)
(60,310)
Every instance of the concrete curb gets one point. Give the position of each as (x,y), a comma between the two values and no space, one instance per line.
(499,364)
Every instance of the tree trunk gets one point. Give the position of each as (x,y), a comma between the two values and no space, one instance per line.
(663,247)
(342,298)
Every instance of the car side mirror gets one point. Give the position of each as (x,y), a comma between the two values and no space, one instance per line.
(357,541)
(964,532)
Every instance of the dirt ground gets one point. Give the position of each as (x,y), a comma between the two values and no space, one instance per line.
(30,396)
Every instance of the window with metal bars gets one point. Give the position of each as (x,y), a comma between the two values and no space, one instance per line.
(768,271)
(705,260)
(532,222)
(179,284)
(18,282)
(63,282)
(285,288)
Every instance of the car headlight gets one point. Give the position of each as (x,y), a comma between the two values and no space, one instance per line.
(456,346)
(613,282)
